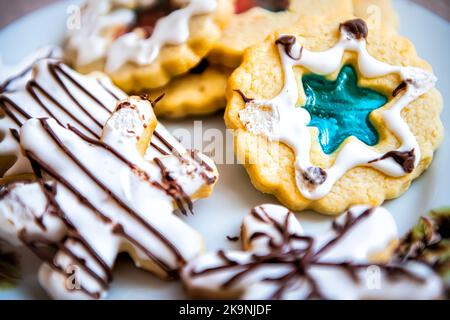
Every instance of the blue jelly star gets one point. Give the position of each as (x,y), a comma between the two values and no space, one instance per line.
(340,108)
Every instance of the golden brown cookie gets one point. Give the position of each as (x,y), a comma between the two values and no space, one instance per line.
(144,46)
(325,119)
(255,20)
(200,92)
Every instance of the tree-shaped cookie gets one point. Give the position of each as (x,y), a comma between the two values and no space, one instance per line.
(94,199)
(96,183)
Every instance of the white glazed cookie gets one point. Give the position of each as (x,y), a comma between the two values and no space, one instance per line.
(14,77)
(281,261)
(92,198)
(285,154)
(85,102)
(142,45)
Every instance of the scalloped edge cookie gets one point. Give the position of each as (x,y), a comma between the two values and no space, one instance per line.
(203,30)
(261,77)
(193,94)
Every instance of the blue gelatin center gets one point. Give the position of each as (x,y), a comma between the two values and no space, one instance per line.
(340,108)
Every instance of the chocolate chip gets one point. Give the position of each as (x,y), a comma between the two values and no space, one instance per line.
(288,42)
(357,27)
(401,87)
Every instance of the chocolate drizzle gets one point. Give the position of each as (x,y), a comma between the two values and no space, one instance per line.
(54,208)
(356,27)
(405,159)
(57,72)
(300,259)
(9,81)
(233,239)
(288,42)
(33,88)
(400,88)
(145,96)
(37,247)
(116,198)
(173,189)
(244,97)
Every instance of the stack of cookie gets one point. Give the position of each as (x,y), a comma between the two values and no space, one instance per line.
(192,64)
(331,109)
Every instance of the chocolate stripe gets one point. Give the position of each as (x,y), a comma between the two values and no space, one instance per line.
(140,172)
(58,67)
(117,199)
(32,92)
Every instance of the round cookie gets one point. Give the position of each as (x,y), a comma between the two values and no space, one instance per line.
(255,20)
(200,92)
(299,147)
(143,44)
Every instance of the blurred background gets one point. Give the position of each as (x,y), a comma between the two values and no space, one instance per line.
(11,10)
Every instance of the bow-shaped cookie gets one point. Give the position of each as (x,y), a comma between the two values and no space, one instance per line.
(280,262)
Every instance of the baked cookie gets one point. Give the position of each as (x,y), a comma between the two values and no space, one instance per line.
(321,7)
(254,20)
(95,181)
(85,103)
(200,92)
(252,23)
(328,114)
(143,44)
(281,261)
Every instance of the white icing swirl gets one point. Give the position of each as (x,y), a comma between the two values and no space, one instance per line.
(280,119)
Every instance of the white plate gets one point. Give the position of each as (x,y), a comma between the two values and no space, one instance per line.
(234,195)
